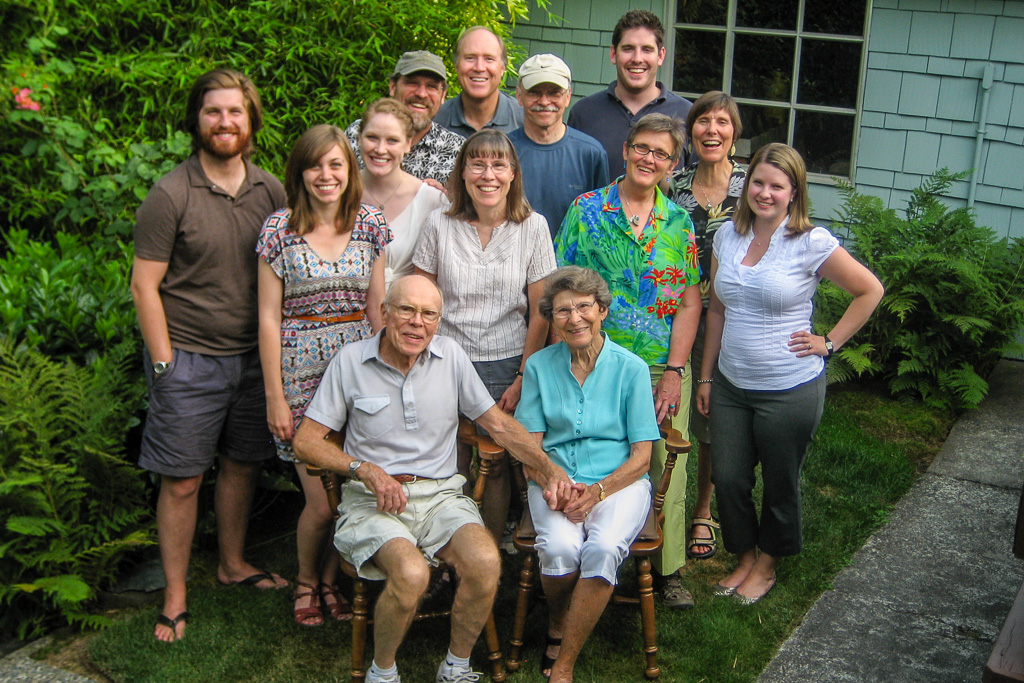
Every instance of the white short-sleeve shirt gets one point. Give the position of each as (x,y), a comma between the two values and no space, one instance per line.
(484,289)
(405,424)
(766,303)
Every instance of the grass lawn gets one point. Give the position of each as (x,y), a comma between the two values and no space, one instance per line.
(868,451)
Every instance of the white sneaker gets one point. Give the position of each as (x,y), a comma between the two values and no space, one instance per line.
(448,675)
(372,677)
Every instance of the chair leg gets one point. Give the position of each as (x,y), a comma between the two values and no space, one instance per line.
(526,578)
(643,571)
(360,617)
(494,650)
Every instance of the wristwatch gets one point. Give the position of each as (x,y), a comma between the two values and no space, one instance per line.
(679,369)
(353,466)
(160,367)
(828,346)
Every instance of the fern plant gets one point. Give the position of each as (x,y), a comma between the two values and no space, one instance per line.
(954,297)
(73,506)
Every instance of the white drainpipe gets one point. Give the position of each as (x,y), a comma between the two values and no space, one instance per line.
(986,90)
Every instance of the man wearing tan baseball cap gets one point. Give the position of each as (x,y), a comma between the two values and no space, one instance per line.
(559,163)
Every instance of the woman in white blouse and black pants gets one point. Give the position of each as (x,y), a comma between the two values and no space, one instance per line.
(766,396)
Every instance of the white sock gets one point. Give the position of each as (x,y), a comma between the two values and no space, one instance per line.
(383,673)
(453,663)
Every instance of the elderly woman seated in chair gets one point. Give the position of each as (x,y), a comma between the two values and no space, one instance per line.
(588,401)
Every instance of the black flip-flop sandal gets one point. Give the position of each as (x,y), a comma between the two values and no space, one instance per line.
(164,620)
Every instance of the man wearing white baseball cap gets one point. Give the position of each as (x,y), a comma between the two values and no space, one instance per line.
(558,163)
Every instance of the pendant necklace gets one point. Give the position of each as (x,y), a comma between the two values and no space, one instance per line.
(380,204)
(706,195)
(634,219)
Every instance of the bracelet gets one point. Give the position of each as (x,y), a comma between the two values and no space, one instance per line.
(601,486)
(705,381)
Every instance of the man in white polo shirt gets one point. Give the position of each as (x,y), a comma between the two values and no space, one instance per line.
(399,394)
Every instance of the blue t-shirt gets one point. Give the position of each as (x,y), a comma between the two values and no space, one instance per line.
(554,175)
(588,430)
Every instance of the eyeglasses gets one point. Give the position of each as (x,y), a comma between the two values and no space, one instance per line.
(479,167)
(405,312)
(582,308)
(552,93)
(644,150)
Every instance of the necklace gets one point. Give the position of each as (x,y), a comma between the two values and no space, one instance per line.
(380,204)
(634,219)
(706,195)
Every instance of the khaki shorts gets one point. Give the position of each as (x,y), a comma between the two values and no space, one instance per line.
(435,510)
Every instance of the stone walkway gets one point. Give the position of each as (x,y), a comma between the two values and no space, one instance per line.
(926,596)
(19,667)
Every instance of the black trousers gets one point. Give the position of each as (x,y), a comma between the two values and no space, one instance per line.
(773,428)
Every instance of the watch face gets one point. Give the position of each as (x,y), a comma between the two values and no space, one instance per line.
(160,367)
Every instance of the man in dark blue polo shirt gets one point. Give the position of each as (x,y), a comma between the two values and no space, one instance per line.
(638,49)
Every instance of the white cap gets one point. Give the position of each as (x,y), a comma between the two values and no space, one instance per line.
(544,68)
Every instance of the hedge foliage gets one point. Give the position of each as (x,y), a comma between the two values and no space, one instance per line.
(110,79)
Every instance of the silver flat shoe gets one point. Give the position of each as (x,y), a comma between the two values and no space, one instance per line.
(744,600)
(722,591)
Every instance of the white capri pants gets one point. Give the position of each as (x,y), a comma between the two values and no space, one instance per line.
(596,546)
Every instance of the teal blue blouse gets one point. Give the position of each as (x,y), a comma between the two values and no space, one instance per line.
(588,430)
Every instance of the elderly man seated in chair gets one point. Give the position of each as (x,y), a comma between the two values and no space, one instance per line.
(400,394)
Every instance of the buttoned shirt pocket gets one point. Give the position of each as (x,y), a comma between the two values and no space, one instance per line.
(372,417)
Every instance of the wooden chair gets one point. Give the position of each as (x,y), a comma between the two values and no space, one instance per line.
(362,612)
(647,543)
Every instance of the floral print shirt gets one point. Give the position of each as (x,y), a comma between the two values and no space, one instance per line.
(647,276)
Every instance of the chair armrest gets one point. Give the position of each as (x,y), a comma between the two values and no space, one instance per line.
(675,445)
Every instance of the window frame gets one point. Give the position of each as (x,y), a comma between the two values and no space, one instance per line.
(730,30)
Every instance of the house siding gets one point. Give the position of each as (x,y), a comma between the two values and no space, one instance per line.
(921,100)
(925,63)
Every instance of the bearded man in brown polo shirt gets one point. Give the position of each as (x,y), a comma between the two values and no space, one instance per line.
(194,285)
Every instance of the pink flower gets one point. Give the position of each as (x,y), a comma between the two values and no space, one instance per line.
(24,100)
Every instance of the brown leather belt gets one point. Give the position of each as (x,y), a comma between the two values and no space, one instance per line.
(350,318)
(410,478)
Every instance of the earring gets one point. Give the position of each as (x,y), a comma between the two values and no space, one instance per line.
(732,151)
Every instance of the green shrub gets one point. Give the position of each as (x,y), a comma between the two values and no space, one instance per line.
(73,506)
(67,298)
(954,296)
(110,75)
